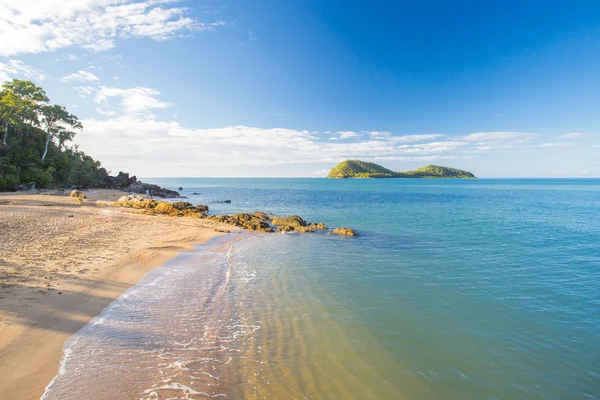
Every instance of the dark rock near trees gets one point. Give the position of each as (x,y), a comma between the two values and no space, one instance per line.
(155,190)
(26,187)
(122,180)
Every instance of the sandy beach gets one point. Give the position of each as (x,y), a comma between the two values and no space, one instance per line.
(61,263)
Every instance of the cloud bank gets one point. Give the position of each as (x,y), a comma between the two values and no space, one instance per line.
(36,26)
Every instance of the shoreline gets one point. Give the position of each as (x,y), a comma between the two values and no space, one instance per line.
(62,263)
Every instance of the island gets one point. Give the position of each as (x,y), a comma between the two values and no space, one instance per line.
(363,169)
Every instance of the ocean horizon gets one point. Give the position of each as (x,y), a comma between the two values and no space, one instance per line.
(454,289)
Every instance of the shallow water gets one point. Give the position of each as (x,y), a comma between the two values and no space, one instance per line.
(482,289)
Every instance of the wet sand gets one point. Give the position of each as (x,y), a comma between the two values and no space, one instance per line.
(61,263)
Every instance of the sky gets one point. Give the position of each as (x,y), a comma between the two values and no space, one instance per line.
(272,88)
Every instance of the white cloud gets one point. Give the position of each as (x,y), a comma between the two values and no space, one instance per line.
(132,101)
(80,76)
(15,69)
(579,135)
(414,138)
(347,134)
(378,134)
(35,26)
(518,137)
(84,91)
(431,148)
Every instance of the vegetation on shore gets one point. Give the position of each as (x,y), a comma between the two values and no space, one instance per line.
(363,169)
(35,145)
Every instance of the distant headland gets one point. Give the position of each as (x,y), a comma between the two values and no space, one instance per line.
(363,169)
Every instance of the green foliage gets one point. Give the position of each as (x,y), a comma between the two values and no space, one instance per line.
(362,169)
(436,171)
(29,153)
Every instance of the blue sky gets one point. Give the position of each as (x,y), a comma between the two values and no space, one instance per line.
(289,88)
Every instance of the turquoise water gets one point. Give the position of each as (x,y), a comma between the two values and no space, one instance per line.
(479,289)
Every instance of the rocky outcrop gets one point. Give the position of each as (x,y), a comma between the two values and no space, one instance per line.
(258,221)
(155,190)
(120,181)
(344,231)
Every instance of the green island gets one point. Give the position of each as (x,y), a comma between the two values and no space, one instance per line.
(363,169)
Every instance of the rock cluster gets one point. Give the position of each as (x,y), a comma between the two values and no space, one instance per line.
(258,221)
(175,209)
(155,190)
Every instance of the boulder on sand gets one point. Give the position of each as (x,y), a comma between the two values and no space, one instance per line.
(77,194)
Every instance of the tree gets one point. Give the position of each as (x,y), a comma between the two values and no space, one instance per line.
(20,103)
(56,121)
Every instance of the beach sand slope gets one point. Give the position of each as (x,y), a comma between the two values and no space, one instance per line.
(61,263)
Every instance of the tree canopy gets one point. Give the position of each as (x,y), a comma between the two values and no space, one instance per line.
(36,141)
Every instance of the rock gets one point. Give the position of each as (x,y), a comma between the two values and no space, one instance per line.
(261,215)
(243,220)
(225,201)
(184,205)
(136,202)
(120,181)
(77,194)
(175,209)
(303,229)
(344,231)
(180,188)
(195,194)
(317,225)
(155,190)
(293,221)
(25,187)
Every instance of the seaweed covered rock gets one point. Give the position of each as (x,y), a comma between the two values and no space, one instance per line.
(184,206)
(344,231)
(292,221)
(245,221)
(77,194)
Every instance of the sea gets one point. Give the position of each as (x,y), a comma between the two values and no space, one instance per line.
(453,290)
